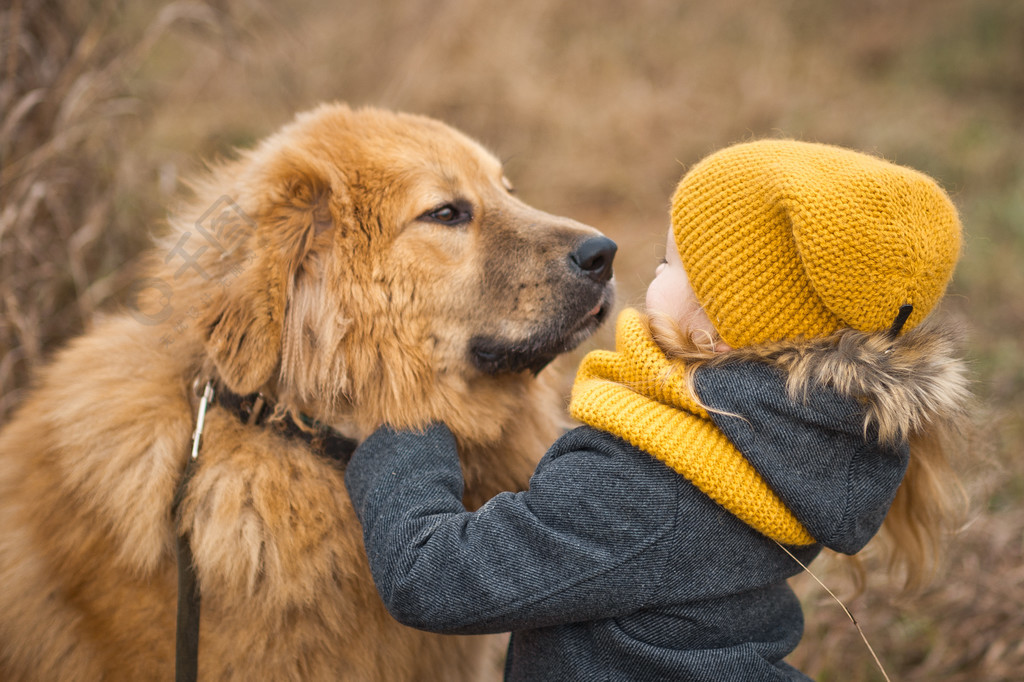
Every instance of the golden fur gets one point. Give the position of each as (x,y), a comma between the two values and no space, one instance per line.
(914,389)
(317,269)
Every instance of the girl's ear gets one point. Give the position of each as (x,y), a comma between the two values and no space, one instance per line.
(243,325)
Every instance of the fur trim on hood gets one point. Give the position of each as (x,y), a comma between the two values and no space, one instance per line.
(907,384)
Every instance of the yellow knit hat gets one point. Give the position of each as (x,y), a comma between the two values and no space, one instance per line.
(783,239)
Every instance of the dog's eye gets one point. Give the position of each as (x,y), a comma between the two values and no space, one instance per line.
(456,213)
(508,185)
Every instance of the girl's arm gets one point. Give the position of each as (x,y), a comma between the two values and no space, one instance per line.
(581,543)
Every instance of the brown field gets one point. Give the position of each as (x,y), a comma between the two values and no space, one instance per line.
(596,108)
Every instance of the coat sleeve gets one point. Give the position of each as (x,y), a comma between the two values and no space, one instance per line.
(582,542)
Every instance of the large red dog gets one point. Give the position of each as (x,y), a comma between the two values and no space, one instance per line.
(356,267)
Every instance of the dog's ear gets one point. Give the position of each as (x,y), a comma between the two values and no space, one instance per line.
(243,325)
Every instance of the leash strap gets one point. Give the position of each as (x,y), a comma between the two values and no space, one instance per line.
(186,643)
(186,636)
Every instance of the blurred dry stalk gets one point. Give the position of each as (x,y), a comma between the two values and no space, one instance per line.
(68,121)
(596,109)
(60,85)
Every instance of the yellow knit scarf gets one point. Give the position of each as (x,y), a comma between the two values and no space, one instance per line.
(636,393)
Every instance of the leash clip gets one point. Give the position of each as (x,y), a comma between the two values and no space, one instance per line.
(201,418)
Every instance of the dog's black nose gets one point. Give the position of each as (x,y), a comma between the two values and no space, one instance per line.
(594,258)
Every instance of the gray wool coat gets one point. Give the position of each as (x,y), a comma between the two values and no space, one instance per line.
(612,566)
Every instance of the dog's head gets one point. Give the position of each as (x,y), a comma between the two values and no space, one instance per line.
(385,261)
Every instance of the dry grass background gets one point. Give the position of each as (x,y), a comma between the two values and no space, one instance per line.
(597,108)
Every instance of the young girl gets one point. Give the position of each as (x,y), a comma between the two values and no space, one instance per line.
(769,406)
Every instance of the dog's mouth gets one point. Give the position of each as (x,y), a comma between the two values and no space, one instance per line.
(493,355)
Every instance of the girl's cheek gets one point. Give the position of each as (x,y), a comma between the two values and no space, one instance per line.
(652,294)
(657,299)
